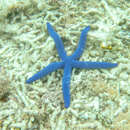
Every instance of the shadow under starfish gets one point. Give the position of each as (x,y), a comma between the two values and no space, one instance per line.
(69,62)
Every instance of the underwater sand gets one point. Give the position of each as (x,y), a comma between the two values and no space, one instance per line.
(100,99)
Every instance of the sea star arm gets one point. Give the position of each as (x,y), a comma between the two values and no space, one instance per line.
(81,45)
(66,85)
(57,40)
(93,65)
(48,69)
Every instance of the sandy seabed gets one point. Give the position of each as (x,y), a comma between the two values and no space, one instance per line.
(100,99)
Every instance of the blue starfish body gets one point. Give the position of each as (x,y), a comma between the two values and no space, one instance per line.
(68,62)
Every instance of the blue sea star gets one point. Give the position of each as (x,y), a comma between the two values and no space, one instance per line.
(68,62)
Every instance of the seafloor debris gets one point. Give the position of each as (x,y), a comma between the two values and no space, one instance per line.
(4,86)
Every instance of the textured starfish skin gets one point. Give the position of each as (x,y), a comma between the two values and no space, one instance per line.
(69,62)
